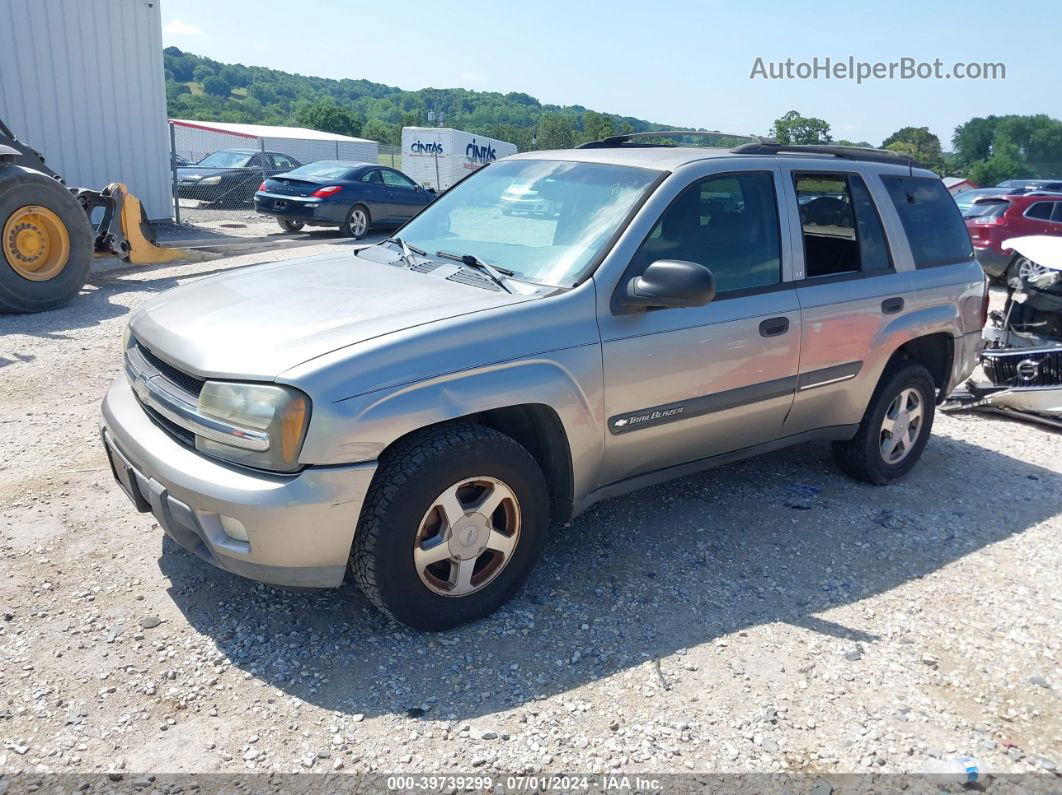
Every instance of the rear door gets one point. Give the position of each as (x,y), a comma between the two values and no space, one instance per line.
(374,194)
(687,384)
(1042,218)
(404,194)
(848,289)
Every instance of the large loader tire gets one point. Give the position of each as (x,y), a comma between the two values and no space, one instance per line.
(45,242)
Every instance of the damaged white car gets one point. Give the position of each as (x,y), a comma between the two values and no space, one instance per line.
(1022,359)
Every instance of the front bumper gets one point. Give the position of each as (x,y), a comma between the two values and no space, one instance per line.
(299,527)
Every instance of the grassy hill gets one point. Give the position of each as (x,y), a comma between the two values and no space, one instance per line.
(201,88)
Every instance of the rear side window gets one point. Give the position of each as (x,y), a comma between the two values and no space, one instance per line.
(842,230)
(931,219)
(1041,211)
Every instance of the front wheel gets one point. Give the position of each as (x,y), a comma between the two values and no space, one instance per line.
(895,428)
(357,222)
(452,527)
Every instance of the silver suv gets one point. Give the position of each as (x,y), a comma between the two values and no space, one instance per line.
(420,410)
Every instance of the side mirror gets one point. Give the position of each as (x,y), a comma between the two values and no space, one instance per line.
(671,283)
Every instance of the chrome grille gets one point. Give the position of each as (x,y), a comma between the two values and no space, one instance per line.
(186,382)
(1018,368)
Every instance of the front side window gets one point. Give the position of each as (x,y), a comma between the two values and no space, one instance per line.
(728,224)
(393,179)
(545,220)
(934,227)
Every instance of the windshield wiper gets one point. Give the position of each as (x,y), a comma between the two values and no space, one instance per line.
(407,250)
(496,274)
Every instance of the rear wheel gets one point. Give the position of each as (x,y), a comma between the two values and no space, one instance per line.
(290,226)
(895,428)
(357,222)
(45,242)
(452,527)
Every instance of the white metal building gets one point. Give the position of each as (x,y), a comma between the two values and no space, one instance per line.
(82,82)
(197,139)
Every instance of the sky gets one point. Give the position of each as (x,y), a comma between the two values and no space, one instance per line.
(688,63)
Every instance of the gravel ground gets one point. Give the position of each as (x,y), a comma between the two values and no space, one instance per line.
(769,616)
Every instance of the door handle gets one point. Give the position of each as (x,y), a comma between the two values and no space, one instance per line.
(890,306)
(774,327)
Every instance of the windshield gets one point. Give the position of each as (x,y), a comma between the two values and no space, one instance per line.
(322,169)
(225,159)
(544,220)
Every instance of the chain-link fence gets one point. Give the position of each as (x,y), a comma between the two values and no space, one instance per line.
(217,167)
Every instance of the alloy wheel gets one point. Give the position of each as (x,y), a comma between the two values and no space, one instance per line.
(901,426)
(467,536)
(359,222)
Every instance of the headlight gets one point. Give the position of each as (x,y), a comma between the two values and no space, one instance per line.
(127,338)
(278,411)
(210,180)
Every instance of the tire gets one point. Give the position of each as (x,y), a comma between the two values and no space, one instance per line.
(21,231)
(350,227)
(864,457)
(400,505)
(291,227)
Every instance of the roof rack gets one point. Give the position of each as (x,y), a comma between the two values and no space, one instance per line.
(631,139)
(845,152)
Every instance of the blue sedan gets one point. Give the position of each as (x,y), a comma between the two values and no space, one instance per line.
(353,196)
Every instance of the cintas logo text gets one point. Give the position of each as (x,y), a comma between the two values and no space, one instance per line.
(480,154)
(421,148)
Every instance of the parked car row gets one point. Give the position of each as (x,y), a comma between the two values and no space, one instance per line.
(350,195)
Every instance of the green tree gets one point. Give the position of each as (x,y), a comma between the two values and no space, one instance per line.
(263,92)
(792,128)
(327,116)
(973,139)
(556,131)
(1006,163)
(597,126)
(202,71)
(379,130)
(920,144)
(216,85)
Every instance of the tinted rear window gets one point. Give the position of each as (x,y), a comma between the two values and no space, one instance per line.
(934,227)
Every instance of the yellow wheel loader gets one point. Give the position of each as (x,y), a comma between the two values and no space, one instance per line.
(48,238)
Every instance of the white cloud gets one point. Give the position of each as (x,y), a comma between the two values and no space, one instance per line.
(473,77)
(176,27)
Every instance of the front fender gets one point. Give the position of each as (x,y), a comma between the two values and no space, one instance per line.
(569,382)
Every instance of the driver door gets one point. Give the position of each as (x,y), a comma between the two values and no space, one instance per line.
(691,383)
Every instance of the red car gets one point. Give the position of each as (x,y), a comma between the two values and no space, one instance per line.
(1004,217)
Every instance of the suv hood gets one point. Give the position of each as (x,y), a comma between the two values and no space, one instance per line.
(257,322)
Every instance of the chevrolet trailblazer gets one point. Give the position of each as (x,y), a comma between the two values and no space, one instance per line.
(420,410)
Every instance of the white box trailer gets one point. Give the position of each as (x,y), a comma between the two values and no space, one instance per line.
(437,157)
